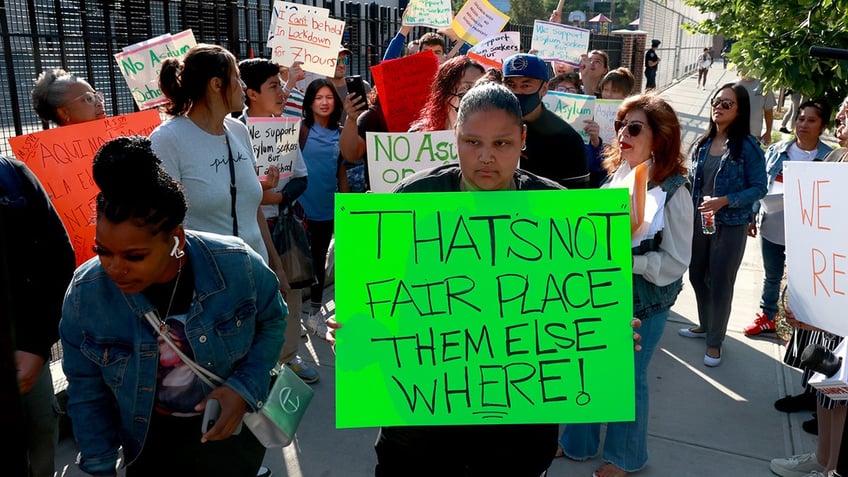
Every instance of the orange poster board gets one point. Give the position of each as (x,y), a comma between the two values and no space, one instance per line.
(486,62)
(61,159)
(403,86)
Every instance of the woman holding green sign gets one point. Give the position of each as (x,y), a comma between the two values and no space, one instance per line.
(490,135)
(646,159)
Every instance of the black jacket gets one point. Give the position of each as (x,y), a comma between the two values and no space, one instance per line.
(39,261)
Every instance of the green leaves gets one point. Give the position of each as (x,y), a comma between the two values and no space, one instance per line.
(773,39)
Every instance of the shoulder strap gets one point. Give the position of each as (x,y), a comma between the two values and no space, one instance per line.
(304,134)
(208,377)
(233,190)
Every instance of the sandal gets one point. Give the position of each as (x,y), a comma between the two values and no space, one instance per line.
(609,470)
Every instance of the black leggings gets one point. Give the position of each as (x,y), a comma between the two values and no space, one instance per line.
(702,76)
(518,450)
(173,448)
(320,233)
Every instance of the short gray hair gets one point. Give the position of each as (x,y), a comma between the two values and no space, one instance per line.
(49,91)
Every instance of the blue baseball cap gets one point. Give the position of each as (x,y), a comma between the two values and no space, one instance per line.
(522,64)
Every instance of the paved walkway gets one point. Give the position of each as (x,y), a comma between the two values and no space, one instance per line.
(704,421)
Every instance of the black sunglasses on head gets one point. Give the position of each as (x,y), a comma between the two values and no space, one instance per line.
(633,129)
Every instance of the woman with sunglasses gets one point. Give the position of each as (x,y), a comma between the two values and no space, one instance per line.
(453,79)
(645,158)
(63,98)
(728,176)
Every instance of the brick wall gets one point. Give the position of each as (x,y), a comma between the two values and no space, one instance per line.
(633,47)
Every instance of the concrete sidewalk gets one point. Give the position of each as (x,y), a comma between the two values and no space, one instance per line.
(704,421)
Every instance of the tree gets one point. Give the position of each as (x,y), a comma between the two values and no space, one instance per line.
(773,39)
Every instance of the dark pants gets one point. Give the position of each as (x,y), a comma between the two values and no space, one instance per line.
(466,451)
(702,76)
(320,233)
(842,464)
(650,78)
(173,448)
(712,272)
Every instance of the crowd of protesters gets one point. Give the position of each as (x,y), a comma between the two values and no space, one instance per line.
(189,241)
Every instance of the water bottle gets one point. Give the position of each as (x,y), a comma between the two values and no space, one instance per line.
(708,220)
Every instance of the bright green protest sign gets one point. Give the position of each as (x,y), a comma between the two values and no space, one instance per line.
(483,308)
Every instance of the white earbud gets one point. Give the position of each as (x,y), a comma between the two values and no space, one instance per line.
(176,252)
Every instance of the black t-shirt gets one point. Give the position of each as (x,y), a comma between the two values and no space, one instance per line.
(556,151)
(651,55)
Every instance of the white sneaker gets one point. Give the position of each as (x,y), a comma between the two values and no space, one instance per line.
(801,465)
(316,323)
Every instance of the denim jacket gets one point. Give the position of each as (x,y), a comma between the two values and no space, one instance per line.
(649,298)
(778,153)
(741,178)
(235,327)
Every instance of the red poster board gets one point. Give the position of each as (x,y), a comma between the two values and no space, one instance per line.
(61,159)
(403,86)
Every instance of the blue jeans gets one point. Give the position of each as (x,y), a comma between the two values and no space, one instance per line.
(774,259)
(626,443)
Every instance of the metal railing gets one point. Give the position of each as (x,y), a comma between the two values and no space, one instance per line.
(82,36)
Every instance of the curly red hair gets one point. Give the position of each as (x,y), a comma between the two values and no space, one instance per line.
(434,115)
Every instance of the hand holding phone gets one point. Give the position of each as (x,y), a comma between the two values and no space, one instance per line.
(210,415)
(356,86)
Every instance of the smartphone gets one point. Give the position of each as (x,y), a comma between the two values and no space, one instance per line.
(356,86)
(210,414)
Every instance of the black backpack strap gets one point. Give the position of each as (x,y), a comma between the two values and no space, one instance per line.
(304,134)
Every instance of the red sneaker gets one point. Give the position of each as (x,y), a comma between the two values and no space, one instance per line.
(761,324)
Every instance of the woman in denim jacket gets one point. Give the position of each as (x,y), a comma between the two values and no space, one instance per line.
(214,297)
(728,176)
(813,117)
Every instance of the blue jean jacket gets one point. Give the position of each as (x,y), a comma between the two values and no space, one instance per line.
(741,178)
(235,327)
(778,153)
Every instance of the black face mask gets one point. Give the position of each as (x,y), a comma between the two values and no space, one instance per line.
(529,102)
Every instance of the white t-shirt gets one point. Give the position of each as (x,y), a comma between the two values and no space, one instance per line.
(200,161)
(772,223)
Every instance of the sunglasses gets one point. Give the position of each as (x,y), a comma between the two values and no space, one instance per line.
(460,94)
(90,98)
(345,60)
(724,103)
(633,129)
